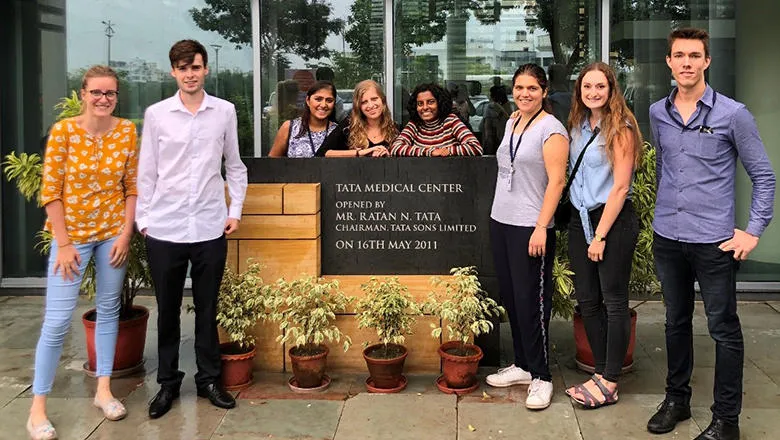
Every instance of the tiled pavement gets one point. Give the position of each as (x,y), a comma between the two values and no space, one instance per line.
(268,410)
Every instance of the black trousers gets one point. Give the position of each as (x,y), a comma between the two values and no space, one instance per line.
(679,265)
(525,285)
(168,263)
(601,288)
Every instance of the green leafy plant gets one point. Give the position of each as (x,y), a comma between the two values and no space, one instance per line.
(306,311)
(26,170)
(69,106)
(562,277)
(643,277)
(389,308)
(466,308)
(242,304)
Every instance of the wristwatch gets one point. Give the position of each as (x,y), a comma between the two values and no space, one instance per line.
(598,237)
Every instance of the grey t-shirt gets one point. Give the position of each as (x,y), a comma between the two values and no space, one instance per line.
(520,204)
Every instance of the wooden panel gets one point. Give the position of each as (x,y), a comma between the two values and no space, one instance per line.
(423,356)
(278,227)
(263,198)
(301,198)
(269,355)
(232,254)
(419,285)
(281,258)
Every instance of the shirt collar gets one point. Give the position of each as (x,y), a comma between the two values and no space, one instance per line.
(177,105)
(585,126)
(707,98)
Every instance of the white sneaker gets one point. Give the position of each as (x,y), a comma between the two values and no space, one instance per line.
(539,394)
(506,377)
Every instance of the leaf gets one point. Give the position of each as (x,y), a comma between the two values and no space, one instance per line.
(472,428)
(486,396)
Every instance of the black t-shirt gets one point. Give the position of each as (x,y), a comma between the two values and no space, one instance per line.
(338,139)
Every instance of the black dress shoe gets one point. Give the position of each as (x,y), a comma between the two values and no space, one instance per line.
(720,430)
(162,401)
(667,416)
(217,396)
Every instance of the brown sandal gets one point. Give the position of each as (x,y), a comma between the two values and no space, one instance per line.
(589,400)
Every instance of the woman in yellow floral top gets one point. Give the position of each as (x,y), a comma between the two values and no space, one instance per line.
(89,193)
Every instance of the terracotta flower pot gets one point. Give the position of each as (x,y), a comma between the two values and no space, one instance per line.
(236,366)
(130,342)
(584,355)
(386,374)
(459,371)
(309,369)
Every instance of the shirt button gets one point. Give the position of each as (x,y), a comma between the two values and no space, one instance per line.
(679,209)
(682,150)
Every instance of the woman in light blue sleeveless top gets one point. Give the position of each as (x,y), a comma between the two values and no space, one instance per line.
(604,227)
(303,136)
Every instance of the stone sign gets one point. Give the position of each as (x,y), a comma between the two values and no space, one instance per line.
(397,215)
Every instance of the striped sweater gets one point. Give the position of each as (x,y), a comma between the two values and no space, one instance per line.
(420,140)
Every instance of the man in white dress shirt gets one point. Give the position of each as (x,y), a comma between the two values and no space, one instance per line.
(183,215)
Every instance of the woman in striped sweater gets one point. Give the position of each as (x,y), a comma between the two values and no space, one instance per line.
(434,130)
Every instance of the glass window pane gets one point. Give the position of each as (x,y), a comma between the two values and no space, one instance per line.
(738,41)
(470,46)
(50,43)
(302,41)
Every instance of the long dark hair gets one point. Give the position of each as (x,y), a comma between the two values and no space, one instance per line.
(443,101)
(306,115)
(537,72)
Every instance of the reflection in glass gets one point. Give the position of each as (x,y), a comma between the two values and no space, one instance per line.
(738,33)
(49,44)
(471,46)
(303,41)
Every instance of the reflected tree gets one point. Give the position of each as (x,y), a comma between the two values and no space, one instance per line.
(286,26)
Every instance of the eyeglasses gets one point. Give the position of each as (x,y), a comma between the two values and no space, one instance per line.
(110,94)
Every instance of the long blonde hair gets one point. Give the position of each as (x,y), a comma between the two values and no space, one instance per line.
(617,121)
(358,137)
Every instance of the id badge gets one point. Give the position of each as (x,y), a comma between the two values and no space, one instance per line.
(509,176)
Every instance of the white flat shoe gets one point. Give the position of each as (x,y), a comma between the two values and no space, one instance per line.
(112,409)
(44,431)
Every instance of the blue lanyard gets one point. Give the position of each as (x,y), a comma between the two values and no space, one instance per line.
(512,148)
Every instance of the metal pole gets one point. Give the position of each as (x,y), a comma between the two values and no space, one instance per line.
(109,33)
(216,47)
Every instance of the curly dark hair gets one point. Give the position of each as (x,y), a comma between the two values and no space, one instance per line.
(443,101)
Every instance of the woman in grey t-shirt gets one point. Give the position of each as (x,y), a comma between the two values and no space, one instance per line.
(532,161)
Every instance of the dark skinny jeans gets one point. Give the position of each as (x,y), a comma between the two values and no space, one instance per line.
(601,288)
(679,265)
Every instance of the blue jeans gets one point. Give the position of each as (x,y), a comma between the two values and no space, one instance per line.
(61,298)
(678,265)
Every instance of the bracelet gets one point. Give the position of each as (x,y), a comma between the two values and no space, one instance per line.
(70,243)
(540,226)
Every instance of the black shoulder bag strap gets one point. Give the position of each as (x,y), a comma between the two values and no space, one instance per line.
(579,161)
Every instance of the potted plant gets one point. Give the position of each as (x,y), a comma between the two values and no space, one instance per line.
(466,310)
(306,310)
(389,308)
(240,306)
(25,171)
(643,277)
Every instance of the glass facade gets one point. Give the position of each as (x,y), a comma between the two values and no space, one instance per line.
(743,66)
(270,51)
(303,41)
